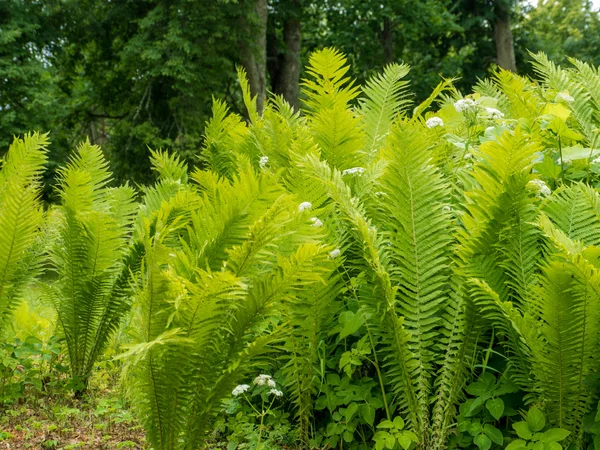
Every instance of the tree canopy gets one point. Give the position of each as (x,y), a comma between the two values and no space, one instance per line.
(129,75)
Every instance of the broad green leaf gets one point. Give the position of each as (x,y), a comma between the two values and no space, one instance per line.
(404,440)
(368,413)
(398,423)
(558,110)
(350,323)
(350,410)
(386,424)
(523,430)
(496,407)
(516,445)
(482,441)
(493,433)
(554,435)
(536,419)
(577,152)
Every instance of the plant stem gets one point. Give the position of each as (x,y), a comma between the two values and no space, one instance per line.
(562,163)
(262,419)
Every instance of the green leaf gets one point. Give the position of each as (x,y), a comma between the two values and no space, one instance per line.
(538,446)
(350,410)
(482,441)
(404,440)
(493,433)
(516,445)
(558,110)
(484,385)
(350,322)
(578,152)
(390,441)
(368,413)
(386,424)
(523,430)
(554,435)
(475,428)
(496,407)
(399,423)
(536,419)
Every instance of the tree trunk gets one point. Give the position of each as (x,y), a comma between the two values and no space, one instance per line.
(287,82)
(253,51)
(505,48)
(387,40)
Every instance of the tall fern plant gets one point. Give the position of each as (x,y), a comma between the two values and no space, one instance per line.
(21,218)
(91,258)
(222,258)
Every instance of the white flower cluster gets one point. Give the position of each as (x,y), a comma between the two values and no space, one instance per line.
(354,171)
(434,122)
(465,105)
(240,389)
(564,97)
(264,380)
(494,113)
(304,206)
(264,160)
(596,161)
(540,186)
(335,253)
(316,222)
(275,392)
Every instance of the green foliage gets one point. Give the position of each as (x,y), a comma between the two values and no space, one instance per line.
(409,280)
(91,258)
(21,218)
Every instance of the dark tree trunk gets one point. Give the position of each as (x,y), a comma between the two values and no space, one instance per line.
(288,80)
(253,51)
(505,48)
(387,40)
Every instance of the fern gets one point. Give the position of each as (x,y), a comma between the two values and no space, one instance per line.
(91,258)
(385,98)
(21,218)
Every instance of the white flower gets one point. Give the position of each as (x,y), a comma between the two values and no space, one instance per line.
(540,186)
(316,222)
(335,253)
(494,113)
(264,160)
(446,208)
(564,97)
(271,383)
(465,104)
(434,122)
(468,156)
(275,392)
(596,161)
(262,380)
(354,170)
(490,129)
(379,194)
(240,389)
(304,206)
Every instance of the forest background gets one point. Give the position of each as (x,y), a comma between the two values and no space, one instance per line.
(132,74)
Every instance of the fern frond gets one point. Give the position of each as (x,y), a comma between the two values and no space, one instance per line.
(21,217)
(385,97)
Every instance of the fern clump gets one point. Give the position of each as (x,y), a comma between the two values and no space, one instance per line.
(91,257)
(21,218)
(414,275)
